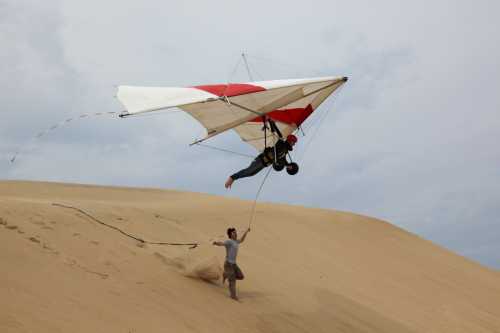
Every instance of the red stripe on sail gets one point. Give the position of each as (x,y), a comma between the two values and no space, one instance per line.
(288,116)
(229,90)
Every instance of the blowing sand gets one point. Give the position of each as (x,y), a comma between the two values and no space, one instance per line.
(307,270)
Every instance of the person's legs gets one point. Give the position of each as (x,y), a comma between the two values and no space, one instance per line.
(238,274)
(232,288)
(251,170)
(230,274)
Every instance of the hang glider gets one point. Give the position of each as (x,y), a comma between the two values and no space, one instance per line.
(244,107)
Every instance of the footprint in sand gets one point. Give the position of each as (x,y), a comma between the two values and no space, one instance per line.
(73,263)
(111,265)
(101,275)
(19,231)
(10,227)
(50,249)
(168,219)
(43,225)
(34,240)
(36,221)
(94,242)
(70,262)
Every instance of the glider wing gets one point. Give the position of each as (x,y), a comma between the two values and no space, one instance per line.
(237,106)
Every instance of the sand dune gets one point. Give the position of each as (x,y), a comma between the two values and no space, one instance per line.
(307,270)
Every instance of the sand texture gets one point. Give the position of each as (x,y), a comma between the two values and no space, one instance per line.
(307,270)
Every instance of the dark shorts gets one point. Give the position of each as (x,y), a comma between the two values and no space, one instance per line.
(232,272)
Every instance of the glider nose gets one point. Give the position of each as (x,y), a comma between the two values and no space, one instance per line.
(345,78)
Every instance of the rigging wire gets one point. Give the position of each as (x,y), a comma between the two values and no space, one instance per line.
(223,150)
(321,119)
(298,70)
(253,69)
(235,68)
(246,65)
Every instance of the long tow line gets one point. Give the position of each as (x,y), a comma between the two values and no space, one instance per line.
(57,125)
(191,245)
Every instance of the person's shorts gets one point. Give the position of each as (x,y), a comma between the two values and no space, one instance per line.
(232,271)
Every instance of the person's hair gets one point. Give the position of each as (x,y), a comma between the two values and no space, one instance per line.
(229,231)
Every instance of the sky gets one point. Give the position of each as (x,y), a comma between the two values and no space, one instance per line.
(412,138)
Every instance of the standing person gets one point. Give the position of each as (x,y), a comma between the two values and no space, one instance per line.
(265,159)
(231,270)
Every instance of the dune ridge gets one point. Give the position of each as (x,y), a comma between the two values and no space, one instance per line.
(307,270)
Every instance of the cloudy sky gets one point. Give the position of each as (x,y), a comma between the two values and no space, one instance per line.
(412,138)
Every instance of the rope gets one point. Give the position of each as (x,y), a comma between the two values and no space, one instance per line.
(60,124)
(150,114)
(191,245)
(252,215)
(254,206)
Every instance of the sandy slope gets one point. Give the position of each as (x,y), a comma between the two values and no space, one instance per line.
(307,270)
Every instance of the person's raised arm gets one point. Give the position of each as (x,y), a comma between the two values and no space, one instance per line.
(244,236)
